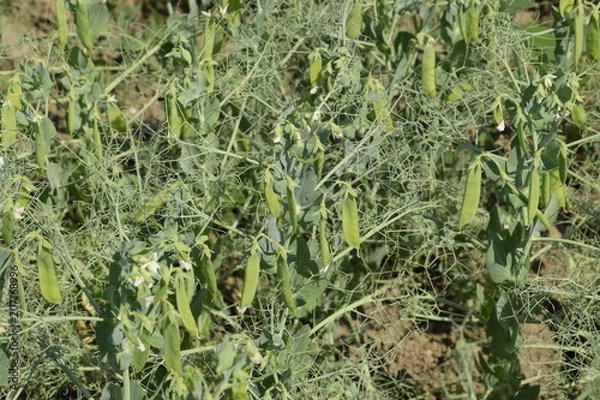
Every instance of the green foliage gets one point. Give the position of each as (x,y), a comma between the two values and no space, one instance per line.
(297,170)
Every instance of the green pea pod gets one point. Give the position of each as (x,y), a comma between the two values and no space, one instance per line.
(319,160)
(558,177)
(82,20)
(558,188)
(380,101)
(73,118)
(454,94)
(498,111)
(350,227)
(45,131)
(47,275)
(116,118)
(15,92)
(283,273)
(183,298)
(9,124)
(472,14)
(41,148)
(172,343)
(189,282)
(148,209)
(253,353)
(96,137)
(324,244)
(579,116)
(593,36)
(472,193)
(578,25)
(291,201)
(251,276)
(174,117)
(273,199)
(563,165)
(354,22)
(462,22)
(546,193)
(209,40)
(9,111)
(208,71)
(209,278)
(315,68)
(61,21)
(8,223)
(428,71)
(533,200)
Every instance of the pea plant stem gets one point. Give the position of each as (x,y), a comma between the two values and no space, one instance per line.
(566,241)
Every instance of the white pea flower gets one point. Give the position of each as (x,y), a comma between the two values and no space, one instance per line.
(501,126)
(141,346)
(7,103)
(185,265)
(560,114)
(148,300)
(277,139)
(153,266)
(18,212)
(548,80)
(314,90)
(111,99)
(136,280)
(1,162)
(37,118)
(256,358)
(315,116)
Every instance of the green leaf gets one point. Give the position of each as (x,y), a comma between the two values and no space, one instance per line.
(140,358)
(57,176)
(111,391)
(98,16)
(528,393)
(225,355)
(116,118)
(136,390)
(497,261)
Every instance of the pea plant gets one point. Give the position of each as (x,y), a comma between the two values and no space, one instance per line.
(222,200)
(531,188)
